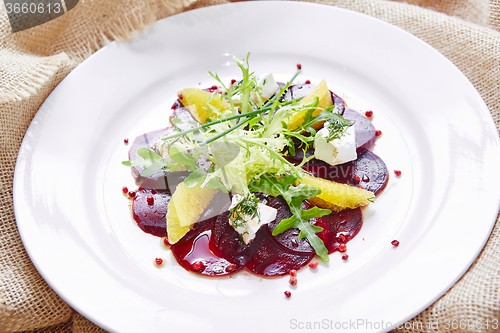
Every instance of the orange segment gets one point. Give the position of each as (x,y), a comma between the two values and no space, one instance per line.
(185,208)
(174,230)
(336,196)
(197,100)
(325,100)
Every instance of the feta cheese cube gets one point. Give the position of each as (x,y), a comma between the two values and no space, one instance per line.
(250,226)
(336,151)
(268,85)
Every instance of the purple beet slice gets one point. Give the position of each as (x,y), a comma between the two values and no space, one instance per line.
(371,170)
(187,121)
(146,140)
(339,227)
(164,180)
(296,91)
(365,132)
(301,90)
(365,136)
(338,102)
(299,152)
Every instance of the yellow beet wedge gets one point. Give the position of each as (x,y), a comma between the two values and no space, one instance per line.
(336,196)
(196,101)
(325,100)
(185,208)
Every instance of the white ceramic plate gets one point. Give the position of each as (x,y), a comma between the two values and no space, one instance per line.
(76,224)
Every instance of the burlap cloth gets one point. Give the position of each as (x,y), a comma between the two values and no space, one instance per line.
(34,61)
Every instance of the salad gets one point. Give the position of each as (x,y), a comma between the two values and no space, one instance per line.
(256,175)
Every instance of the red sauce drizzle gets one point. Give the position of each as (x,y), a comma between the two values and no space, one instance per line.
(196,250)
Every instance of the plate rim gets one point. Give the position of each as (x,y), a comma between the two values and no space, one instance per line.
(16,191)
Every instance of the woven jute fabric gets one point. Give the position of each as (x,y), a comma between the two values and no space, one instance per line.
(34,61)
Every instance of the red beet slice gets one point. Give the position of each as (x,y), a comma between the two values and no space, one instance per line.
(371,170)
(365,132)
(226,242)
(289,238)
(193,252)
(147,140)
(269,258)
(264,255)
(347,222)
(151,217)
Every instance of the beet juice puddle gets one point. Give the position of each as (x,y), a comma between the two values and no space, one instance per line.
(215,245)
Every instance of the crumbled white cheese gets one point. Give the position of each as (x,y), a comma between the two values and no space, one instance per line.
(250,226)
(268,86)
(336,151)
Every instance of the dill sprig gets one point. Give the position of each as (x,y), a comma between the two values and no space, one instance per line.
(337,128)
(245,209)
